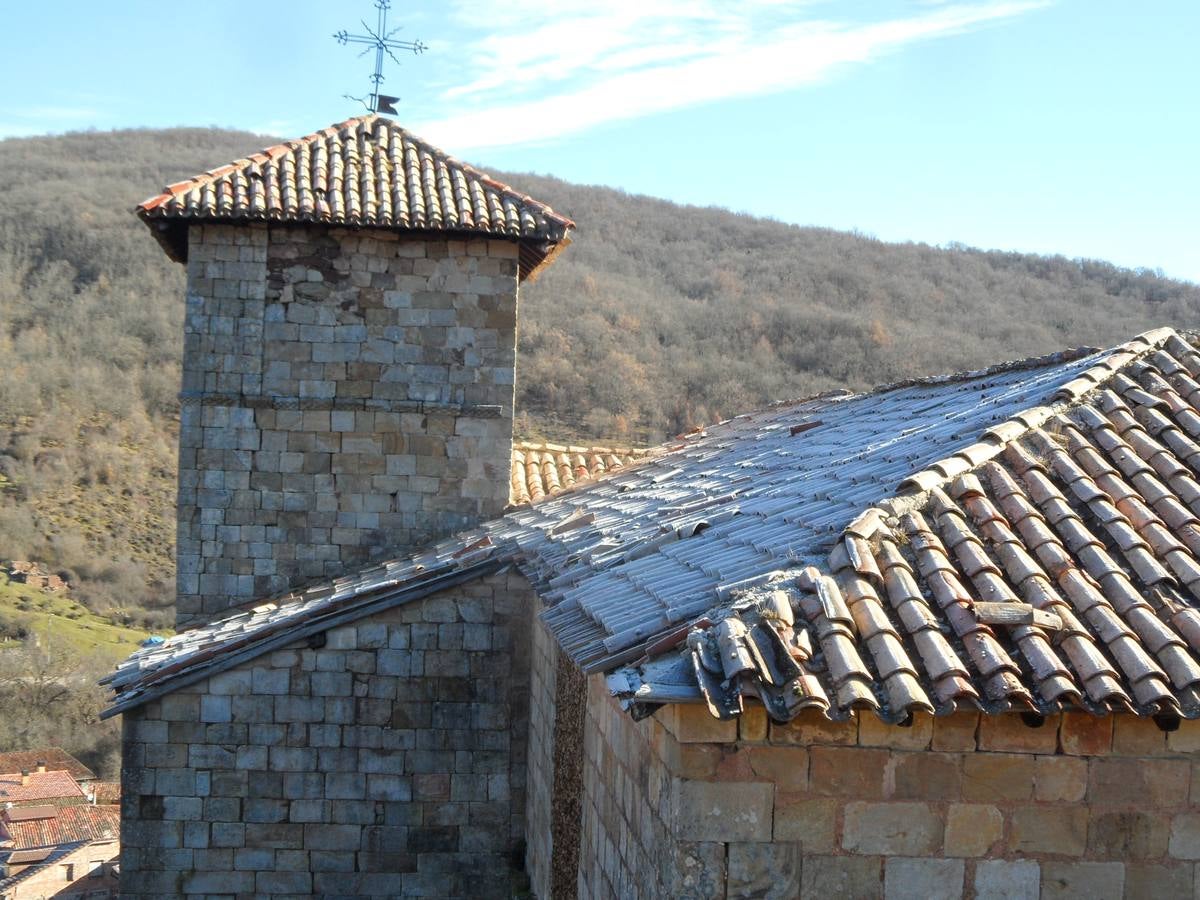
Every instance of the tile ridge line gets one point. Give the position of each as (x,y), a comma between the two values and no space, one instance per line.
(915,490)
(150,207)
(272,151)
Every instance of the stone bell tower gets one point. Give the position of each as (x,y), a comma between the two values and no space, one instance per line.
(349,352)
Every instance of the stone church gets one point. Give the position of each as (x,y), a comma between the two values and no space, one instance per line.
(940,639)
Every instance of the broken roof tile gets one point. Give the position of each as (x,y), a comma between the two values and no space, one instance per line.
(1085,506)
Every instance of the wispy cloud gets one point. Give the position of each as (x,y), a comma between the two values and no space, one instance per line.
(629,58)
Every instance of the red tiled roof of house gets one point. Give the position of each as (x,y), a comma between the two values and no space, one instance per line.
(64,825)
(28,813)
(38,786)
(540,469)
(104,792)
(55,758)
(364,172)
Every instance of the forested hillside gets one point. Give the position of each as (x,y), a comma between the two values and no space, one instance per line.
(658,318)
(664,316)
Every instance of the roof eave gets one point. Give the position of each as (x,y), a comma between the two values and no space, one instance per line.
(192,671)
(171,235)
(536,257)
(536,253)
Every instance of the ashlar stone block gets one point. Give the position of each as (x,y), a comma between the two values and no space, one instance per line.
(972,829)
(763,870)
(899,829)
(722,811)
(1094,880)
(1008,880)
(923,879)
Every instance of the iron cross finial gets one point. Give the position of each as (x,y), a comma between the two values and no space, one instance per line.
(380,40)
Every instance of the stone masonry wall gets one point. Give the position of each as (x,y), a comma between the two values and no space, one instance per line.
(346,395)
(557,706)
(628,847)
(683,805)
(570,722)
(540,780)
(389,761)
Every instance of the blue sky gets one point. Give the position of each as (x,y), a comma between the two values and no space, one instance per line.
(1054,126)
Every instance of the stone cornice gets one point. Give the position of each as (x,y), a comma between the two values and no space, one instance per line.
(264,401)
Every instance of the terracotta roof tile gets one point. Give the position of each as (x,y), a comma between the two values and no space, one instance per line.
(969,541)
(365,172)
(66,824)
(540,470)
(38,786)
(1080,513)
(55,758)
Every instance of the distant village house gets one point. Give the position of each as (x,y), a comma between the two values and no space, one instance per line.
(58,835)
(32,574)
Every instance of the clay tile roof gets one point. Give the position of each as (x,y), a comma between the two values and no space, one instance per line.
(28,813)
(104,792)
(68,824)
(1024,537)
(1052,564)
(55,758)
(365,172)
(540,470)
(40,786)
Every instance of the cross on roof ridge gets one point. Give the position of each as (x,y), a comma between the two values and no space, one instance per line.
(379,39)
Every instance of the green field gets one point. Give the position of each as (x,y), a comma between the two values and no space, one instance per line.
(57,622)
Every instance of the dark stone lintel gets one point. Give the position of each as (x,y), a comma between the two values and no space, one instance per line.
(262,401)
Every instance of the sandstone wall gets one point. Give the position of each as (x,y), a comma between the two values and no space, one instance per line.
(683,805)
(346,395)
(390,760)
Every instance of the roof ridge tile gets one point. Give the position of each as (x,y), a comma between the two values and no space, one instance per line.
(1030,419)
(356,192)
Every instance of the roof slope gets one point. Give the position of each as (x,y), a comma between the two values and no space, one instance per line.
(55,759)
(753,495)
(67,824)
(891,515)
(17,788)
(1052,565)
(364,172)
(540,469)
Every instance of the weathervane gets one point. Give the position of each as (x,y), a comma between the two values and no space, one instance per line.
(380,39)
